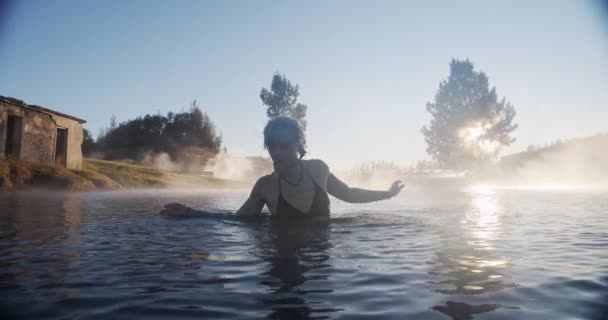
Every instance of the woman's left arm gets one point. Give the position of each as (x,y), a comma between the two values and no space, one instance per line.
(342,191)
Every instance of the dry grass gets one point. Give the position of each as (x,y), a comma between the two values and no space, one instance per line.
(134,176)
(97,174)
(100,181)
(125,175)
(5,176)
(19,175)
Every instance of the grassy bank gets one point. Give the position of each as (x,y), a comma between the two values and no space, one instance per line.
(98,175)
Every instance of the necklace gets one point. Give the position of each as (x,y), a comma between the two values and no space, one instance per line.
(299,178)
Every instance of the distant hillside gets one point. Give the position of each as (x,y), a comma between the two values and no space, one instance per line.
(581,160)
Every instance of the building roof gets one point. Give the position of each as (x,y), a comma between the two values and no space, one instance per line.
(39,108)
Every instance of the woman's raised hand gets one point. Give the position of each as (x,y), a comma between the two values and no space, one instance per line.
(395,188)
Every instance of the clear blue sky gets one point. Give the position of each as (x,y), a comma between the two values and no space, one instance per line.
(365,68)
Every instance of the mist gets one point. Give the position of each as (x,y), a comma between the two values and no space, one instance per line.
(576,162)
(377,175)
(570,163)
(244,169)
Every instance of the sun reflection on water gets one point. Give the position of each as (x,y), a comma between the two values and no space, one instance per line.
(482,218)
(552,187)
(475,265)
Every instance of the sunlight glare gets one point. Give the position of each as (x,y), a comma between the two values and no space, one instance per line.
(482,218)
(474,136)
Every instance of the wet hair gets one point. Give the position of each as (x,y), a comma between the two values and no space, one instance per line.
(285,125)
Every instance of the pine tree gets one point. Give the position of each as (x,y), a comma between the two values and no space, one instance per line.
(469,125)
(282,100)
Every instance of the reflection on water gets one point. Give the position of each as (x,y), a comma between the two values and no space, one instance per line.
(469,257)
(40,242)
(485,253)
(482,219)
(296,254)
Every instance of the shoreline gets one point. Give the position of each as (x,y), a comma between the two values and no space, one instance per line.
(100,175)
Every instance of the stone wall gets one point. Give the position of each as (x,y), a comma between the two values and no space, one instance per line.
(39,130)
(38,133)
(75,138)
(3,118)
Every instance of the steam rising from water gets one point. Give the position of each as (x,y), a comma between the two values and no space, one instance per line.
(248,169)
(575,165)
(222,166)
(375,175)
(581,162)
(160,161)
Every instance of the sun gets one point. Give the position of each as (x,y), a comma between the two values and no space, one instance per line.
(474,137)
(470,134)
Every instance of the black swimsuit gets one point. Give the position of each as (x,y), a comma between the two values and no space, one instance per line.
(318,209)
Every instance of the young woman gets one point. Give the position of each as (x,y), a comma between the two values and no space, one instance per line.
(299,188)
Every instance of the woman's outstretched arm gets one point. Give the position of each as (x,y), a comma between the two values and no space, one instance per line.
(342,191)
(252,206)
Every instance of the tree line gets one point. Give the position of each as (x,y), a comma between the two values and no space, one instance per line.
(188,137)
(469,124)
(183,136)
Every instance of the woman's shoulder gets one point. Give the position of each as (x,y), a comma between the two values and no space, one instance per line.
(316,165)
(264,186)
(265,181)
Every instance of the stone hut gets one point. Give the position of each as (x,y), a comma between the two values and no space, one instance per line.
(37,134)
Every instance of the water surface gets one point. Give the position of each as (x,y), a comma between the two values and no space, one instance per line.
(481,254)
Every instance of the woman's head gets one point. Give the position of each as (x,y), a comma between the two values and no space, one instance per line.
(284,139)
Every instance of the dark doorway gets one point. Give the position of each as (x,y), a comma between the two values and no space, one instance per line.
(12,148)
(61,147)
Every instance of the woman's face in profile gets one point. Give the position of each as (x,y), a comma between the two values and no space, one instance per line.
(283,150)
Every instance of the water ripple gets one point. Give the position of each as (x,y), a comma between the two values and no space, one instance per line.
(111,256)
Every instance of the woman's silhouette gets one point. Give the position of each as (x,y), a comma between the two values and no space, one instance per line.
(297,188)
